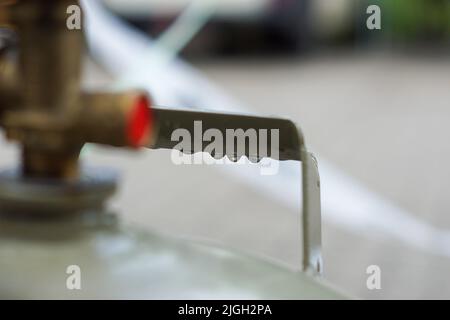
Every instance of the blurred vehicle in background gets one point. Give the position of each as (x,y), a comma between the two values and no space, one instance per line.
(294,25)
(251,26)
(235,26)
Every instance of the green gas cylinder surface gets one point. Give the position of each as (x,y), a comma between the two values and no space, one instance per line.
(122,262)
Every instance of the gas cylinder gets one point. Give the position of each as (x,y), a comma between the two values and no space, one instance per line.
(43,249)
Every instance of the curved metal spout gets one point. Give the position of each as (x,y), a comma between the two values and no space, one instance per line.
(291,146)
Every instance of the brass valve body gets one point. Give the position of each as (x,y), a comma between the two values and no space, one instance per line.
(41,104)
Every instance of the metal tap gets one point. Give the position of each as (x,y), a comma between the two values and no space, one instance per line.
(41,104)
(43,109)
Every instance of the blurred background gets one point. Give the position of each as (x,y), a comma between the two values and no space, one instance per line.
(374,106)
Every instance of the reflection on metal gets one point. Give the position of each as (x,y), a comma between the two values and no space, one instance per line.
(53,214)
(118,261)
(49,198)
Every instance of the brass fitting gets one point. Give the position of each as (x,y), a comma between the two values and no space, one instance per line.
(116,119)
(41,105)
